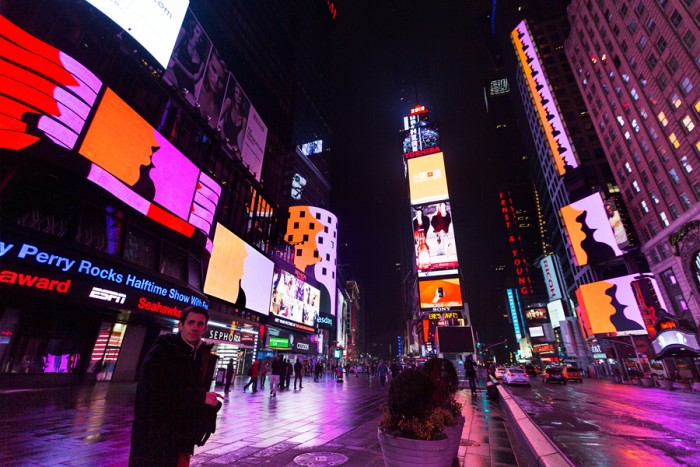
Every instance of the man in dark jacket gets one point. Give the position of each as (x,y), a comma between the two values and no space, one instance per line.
(276,368)
(297,373)
(173,403)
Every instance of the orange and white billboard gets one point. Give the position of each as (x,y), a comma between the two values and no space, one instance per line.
(440,294)
(427,180)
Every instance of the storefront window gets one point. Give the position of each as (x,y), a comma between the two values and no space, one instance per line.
(141,248)
(106,351)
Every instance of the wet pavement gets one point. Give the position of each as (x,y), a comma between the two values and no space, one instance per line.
(325,423)
(600,423)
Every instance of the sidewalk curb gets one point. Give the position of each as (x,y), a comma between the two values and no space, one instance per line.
(530,441)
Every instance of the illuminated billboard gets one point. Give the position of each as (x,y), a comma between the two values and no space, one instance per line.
(154,25)
(314,233)
(293,299)
(613,306)
(427,180)
(591,236)
(198,69)
(440,294)
(543,100)
(130,159)
(420,138)
(434,237)
(549,266)
(238,273)
(556,312)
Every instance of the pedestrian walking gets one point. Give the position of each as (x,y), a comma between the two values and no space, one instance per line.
(263,372)
(298,368)
(288,374)
(470,370)
(276,368)
(317,371)
(382,371)
(229,375)
(173,409)
(253,373)
(283,373)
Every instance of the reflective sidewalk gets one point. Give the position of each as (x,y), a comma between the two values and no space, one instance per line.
(325,423)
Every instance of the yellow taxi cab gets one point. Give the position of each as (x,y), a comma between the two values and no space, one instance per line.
(571,373)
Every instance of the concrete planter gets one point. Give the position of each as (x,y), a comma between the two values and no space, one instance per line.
(665,383)
(646,382)
(399,452)
(454,434)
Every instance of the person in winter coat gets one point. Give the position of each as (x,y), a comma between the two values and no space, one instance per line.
(263,373)
(253,373)
(298,368)
(173,401)
(276,367)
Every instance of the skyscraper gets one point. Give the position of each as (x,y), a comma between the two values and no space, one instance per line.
(636,64)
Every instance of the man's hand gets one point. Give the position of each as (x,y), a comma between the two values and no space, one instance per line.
(212,398)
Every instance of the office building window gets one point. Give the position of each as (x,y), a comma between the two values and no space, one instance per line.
(672,64)
(644,206)
(642,42)
(663,188)
(652,60)
(661,44)
(688,123)
(674,176)
(686,201)
(635,185)
(675,100)
(662,118)
(654,198)
(689,39)
(653,229)
(686,85)
(674,140)
(676,18)
(674,211)
(664,219)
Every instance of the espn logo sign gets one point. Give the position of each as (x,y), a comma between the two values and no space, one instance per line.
(107,295)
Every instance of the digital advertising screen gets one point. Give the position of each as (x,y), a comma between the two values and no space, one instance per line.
(427,180)
(536,331)
(238,273)
(434,237)
(544,102)
(130,159)
(313,232)
(556,312)
(154,25)
(592,238)
(440,294)
(615,306)
(198,68)
(293,299)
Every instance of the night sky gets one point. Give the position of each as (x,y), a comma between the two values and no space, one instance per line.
(376,44)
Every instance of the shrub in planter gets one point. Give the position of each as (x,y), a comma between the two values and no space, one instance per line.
(444,377)
(411,411)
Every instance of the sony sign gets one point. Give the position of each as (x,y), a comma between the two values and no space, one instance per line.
(550,278)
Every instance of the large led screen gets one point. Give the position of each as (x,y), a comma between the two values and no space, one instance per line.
(440,294)
(198,69)
(427,180)
(587,224)
(556,312)
(48,96)
(543,100)
(238,273)
(154,24)
(434,237)
(314,233)
(293,299)
(613,306)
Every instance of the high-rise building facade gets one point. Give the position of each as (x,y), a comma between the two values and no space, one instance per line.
(636,64)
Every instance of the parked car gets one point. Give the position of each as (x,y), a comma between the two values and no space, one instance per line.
(553,374)
(571,373)
(500,371)
(516,375)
